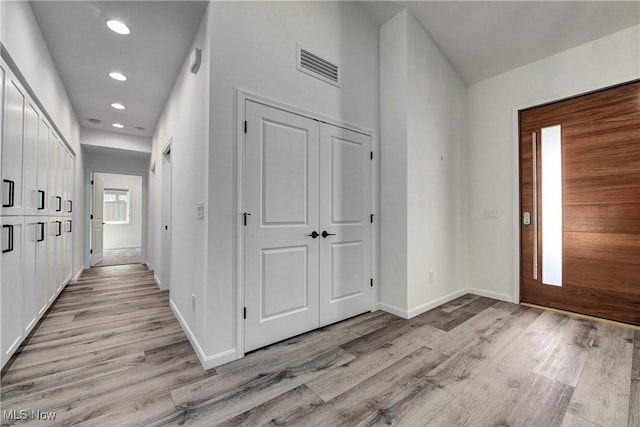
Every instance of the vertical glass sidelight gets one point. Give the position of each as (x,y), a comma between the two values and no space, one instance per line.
(551,221)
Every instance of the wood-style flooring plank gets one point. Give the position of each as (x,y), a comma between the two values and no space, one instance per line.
(602,392)
(565,362)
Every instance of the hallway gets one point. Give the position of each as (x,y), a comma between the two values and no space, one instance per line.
(109,350)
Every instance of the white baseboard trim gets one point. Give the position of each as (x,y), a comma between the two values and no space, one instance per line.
(436,302)
(157,280)
(494,295)
(408,314)
(393,310)
(207,362)
(75,277)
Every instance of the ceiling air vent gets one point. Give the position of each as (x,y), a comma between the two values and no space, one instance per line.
(316,66)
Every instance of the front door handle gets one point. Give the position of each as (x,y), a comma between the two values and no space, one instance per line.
(325,234)
(314,234)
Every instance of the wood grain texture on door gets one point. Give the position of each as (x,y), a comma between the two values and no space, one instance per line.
(601,203)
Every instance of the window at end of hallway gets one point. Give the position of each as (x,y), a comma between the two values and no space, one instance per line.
(116,206)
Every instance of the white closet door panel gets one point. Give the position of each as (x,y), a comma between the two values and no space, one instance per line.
(11,286)
(97,227)
(52,258)
(12,145)
(42,266)
(345,209)
(29,281)
(281,194)
(42,178)
(30,159)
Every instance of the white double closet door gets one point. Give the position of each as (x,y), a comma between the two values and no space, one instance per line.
(302,178)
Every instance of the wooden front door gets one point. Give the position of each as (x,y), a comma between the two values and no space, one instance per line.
(580,204)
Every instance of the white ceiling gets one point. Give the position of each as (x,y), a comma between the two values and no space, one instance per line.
(480,39)
(85,50)
(484,38)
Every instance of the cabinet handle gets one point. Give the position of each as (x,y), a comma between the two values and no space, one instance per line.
(42,199)
(41,239)
(70,206)
(10,246)
(314,234)
(12,187)
(59,233)
(70,227)
(59,209)
(325,234)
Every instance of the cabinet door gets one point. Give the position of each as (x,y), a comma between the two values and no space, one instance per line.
(11,289)
(3,75)
(42,184)
(68,238)
(59,261)
(52,258)
(32,233)
(52,202)
(12,143)
(32,198)
(68,179)
(42,265)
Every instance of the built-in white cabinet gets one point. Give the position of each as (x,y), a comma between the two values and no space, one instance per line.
(37,171)
(12,284)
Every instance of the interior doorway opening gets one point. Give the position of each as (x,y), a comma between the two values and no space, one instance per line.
(118,238)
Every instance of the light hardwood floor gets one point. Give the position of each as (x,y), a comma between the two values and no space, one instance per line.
(110,353)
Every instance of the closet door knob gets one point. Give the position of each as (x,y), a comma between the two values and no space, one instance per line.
(325,234)
(314,234)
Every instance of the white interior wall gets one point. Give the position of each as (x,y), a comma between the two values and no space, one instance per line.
(185,122)
(393,291)
(261,59)
(436,174)
(423,177)
(23,42)
(117,236)
(493,141)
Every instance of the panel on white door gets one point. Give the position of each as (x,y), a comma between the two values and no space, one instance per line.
(29,299)
(42,266)
(281,193)
(97,228)
(30,160)
(12,144)
(345,209)
(42,178)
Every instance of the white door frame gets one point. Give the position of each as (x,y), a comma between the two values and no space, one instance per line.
(242,96)
(88,195)
(166,154)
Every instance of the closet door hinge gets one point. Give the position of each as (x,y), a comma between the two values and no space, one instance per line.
(372,283)
(90,251)
(245,126)
(91,182)
(245,313)
(90,216)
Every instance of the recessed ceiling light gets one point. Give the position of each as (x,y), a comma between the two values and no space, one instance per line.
(118,27)
(117,125)
(117,76)
(117,106)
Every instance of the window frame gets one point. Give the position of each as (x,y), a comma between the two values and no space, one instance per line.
(117,192)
